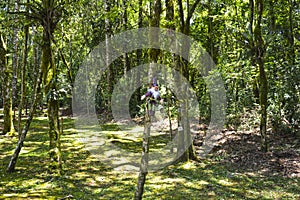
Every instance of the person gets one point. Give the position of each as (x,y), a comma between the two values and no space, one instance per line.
(154,95)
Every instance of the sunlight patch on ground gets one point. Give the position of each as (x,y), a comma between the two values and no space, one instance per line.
(226,183)
(122,149)
(87,177)
(15,196)
(162,180)
(202,182)
(188,165)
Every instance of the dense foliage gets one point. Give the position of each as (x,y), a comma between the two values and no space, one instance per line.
(253,43)
(226,30)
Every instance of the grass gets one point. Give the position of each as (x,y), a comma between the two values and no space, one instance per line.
(86,177)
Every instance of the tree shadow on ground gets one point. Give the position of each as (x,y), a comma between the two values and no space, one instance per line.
(222,176)
(213,180)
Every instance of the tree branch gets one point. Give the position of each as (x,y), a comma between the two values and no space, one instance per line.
(192,10)
(181,15)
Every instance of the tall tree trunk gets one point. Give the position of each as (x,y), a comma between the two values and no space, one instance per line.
(253,51)
(2,64)
(139,53)
(125,21)
(145,157)
(110,72)
(49,71)
(8,127)
(153,56)
(15,60)
(154,37)
(36,57)
(6,87)
(23,76)
(210,30)
(185,29)
(50,87)
(182,152)
(170,13)
(260,50)
(36,95)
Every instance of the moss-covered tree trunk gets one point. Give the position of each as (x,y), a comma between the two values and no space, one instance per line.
(49,72)
(15,58)
(23,81)
(50,88)
(139,54)
(153,56)
(8,126)
(54,131)
(263,92)
(124,23)
(182,153)
(2,62)
(184,69)
(170,18)
(35,100)
(145,157)
(6,74)
(37,89)
(110,72)
(154,38)
(49,16)
(255,82)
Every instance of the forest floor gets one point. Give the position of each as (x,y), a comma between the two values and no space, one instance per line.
(235,169)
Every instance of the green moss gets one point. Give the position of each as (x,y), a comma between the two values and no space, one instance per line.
(88,178)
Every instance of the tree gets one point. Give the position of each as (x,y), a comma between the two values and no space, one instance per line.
(3,53)
(108,33)
(48,14)
(125,26)
(259,51)
(153,57)
(36,94)
(8,126)
(185,28)
(23,77)
(15,59)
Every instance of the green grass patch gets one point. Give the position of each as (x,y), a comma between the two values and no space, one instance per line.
(88,178)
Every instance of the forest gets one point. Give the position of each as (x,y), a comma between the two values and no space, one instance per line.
(150,99)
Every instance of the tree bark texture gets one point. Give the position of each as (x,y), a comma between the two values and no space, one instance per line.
(23,77)
(153,56)
(145,157)
(8,127)
(170,13)
(49,71)
(125,21)
(14,158)
(15,60)
(51,92)
(184,69)
(154,36)
(260,50)
(110,71)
